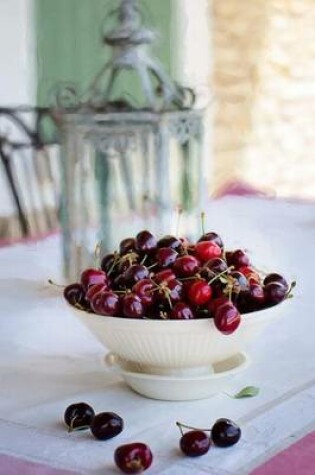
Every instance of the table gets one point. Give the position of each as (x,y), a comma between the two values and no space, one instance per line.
(48,360)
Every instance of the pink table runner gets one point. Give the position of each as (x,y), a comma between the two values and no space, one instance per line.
(298,459)
(14,466)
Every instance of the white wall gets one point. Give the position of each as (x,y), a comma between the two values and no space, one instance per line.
(17,72)
(192,63)
(17,52)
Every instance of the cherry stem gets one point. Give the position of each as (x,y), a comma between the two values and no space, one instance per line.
(72,429)
(219,275)
(194,277)
(289,292)
(153,265)
(116,260)
(51,282)
(97,253)
(143,260)
(180,425)
(179,215)
(203,217)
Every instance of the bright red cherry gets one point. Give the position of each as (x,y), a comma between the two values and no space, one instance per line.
(207,250)
(251,274)
(186,266)
(200,292)
(182,311)
(227,318)
(92,277)
(164,276)
(212,237)
(195,443)
(132,306)
(133,458)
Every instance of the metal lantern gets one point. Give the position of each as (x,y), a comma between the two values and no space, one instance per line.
(124,167)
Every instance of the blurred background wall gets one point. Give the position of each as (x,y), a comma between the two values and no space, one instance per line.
(251,62)
(264,89)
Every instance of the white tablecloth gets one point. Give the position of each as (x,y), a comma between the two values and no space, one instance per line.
(48,360)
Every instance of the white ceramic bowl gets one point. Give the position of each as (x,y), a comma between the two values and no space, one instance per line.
(166,346)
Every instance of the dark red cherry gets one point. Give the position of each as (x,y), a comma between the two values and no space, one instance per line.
(186,266)
(145,290)
(217,265)
(214,304)
(135,273)
(239,259)
(195,443)
(276,278)
(127,261)
(225,433)
(127,245)
(206,273)
(92,277)
(214,237)
(171,242)
(74,294)
(207,250)
(106,303)
(274,293)
(119,283)
(106,425)
(132,306)
(256,295)
(95,289)
(181,311)
(109,263)
(78,415)
(200,292)
(170,293)
(145,242)
(227,318)
(133,458)
(166,256)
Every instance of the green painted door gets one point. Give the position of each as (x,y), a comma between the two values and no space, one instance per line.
(69,47)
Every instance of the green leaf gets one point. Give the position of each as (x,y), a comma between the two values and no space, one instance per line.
(248,391)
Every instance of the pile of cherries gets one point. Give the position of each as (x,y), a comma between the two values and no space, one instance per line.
(172,278)
(136,457)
